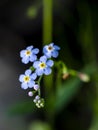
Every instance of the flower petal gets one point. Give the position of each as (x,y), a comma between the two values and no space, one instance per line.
(22,53)
(29,47)
(55,54)
(25,60)
(36,64)
(28,72)
(56,47)
(51,44)
(47,71)
(35,51)
(31,84)
(48,54)
(21,77)
(33,76)
(43,58)
(50,63)
(33,58)
(45,49)
(39,72)
(24,85)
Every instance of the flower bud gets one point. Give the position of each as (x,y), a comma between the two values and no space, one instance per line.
(84,77)
(30,93)
(37,97)
(36,87)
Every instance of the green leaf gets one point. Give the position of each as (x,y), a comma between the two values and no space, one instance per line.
(67,91)
(21,108)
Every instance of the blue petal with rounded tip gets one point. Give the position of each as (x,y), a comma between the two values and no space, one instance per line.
(33,76)
(22,53)
(56,47)
(43,58)
(33,58)
(28,72)
(55,54)
(36,64)
(25,60)
(24,85)
(50,63)
(31,84)
(36,51)
(21,77)
(29,47)
(39,72)
(47,71)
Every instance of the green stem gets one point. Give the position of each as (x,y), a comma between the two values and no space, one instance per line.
(72,72)
(39,80)
(61,64)
(47,32)
(47,21)
(47,38)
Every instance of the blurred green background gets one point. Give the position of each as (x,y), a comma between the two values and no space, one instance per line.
(69,104)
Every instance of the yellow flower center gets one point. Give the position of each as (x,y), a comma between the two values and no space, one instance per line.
(26,78)
(42,65)
(28,53)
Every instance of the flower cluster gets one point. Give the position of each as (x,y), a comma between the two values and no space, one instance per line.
(40,66)
(39,101)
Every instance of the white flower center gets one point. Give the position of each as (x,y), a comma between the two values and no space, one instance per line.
(42,65)
(26,79)
(28,53)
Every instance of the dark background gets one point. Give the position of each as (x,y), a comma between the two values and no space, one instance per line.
(74,27)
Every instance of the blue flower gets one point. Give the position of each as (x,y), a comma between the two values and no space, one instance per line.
(51,50)
(43,66)
(27,79)
(29,54)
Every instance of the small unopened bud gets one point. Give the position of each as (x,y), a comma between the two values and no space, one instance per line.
(42,105)
(84,77)
(36,87)
(37,97)
(35,100)
(30,93)
(38,105)
(39,101)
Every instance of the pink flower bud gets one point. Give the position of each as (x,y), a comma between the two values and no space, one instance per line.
(30,93)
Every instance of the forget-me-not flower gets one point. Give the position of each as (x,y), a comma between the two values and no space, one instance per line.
(29,54)
(27,79)
(43,66)
(51,50)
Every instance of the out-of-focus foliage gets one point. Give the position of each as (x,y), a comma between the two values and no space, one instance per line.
(32,12)
(22,108)
(70,88)
(38,125)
